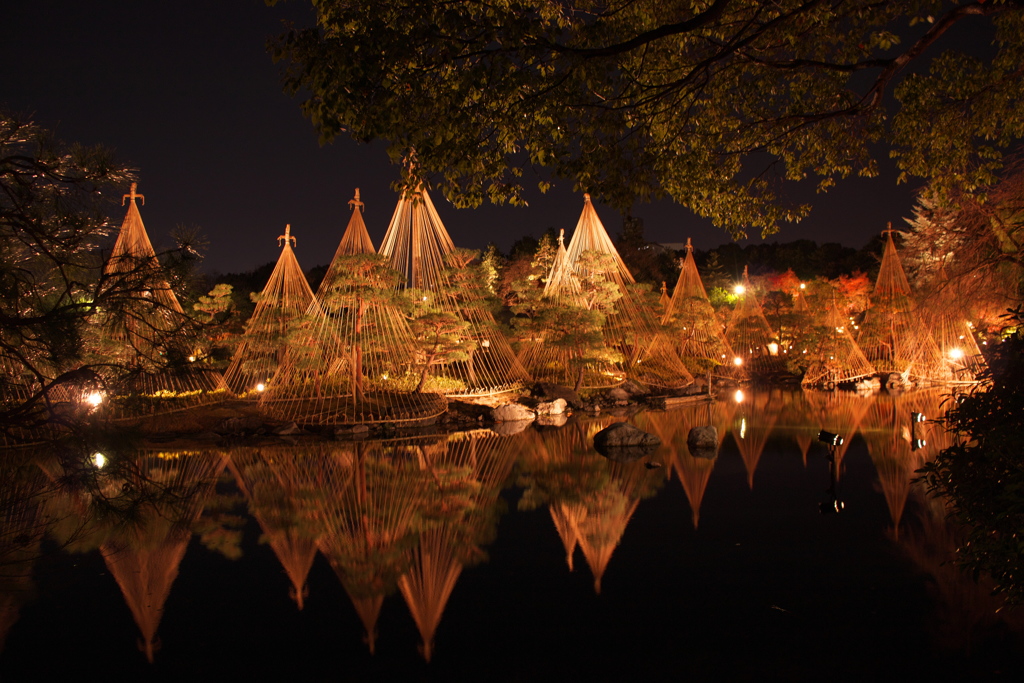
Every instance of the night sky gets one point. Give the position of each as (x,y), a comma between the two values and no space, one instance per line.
(186,93)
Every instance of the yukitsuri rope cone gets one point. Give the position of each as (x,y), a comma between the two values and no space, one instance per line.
(750,336)
(835,357)
(144,559)
(893,336)
(697,334)
(349,359)
(147,334)
(953,334)
(566,364)
(277,489)
(418,246)
(284,300)
(469,472)
(633,329)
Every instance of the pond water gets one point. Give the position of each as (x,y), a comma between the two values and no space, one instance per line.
(519,557)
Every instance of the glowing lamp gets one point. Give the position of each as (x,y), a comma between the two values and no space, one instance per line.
(773,348)
(261,386)
(737,361)
(486,343)
(739,290)
(98,460)
(94,399)
(956,354)
(191,359)
(738,396)
(803,286)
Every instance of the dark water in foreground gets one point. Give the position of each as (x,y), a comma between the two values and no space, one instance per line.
(460,548)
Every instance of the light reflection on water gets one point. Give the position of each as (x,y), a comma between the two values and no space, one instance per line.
(400,522)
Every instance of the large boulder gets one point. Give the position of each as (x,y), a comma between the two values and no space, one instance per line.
(703,441)
(623,434)
(634,388)
(546,391)
(511,412)
(618,394)
(556,407)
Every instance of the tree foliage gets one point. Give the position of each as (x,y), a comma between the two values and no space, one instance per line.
(713,103)
(982,474)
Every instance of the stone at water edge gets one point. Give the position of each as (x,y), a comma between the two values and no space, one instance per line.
(634,388)
(549,392)
(511,412)
(618,394)
(556,407)
(510,428)
(703,439)
(623,434)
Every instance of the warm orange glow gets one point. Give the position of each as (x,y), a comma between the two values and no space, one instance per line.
(94,399)
(261,386)
(98,460)
(773,348)
(737,361)
(738,396)
(956,354)
(739,290)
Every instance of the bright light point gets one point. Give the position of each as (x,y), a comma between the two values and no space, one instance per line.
(191,359)
(738,396)
(773,348)
(98,460)
(486,343)
(384,376)
(261,386)
(424,298)
(743,426)
(739,290)
(803,286)
(94,399)
(956,354)
(737,361)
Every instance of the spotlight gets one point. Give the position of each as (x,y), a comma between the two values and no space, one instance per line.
(917,417)
(830,438)
(918,444)
(739,290)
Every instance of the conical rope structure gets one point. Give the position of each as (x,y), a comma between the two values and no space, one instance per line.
(953,334)
(469,472)
(284,300)
(145,331)
(751,337)
(893,335)
(555,353)
(144,559)
(835,357)
(418,246)
(697,334)
(349,360)
(647,353)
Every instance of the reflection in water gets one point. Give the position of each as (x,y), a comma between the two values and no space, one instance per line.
(408,515)
(591,498)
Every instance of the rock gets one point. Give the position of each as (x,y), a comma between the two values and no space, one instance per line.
(618,394)
(634,388)
(623,434)
(556,407)
(549,392)
(238,425)
(288,429)
(702,439)
(511,412)
(552,420)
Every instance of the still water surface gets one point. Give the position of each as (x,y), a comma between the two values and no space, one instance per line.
(519,557)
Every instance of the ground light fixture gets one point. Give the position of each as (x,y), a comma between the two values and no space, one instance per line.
(829,438)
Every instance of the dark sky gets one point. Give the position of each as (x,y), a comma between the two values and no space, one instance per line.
(186,93)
